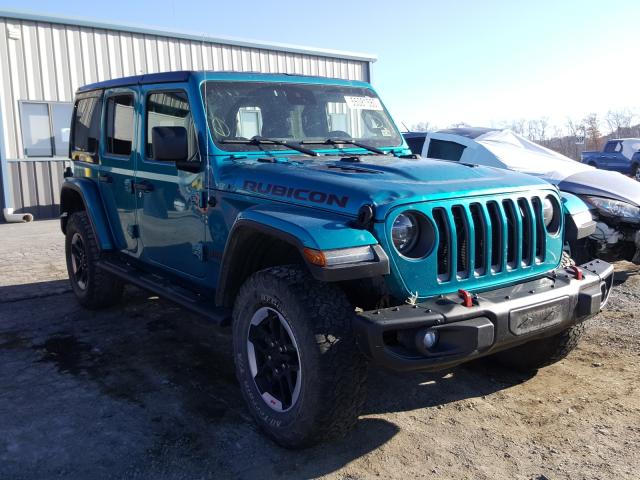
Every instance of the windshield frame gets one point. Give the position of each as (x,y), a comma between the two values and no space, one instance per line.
(323,148)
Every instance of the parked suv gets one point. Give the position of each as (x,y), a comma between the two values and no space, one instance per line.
(291,209)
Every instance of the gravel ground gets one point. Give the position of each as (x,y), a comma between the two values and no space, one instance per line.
(144,390)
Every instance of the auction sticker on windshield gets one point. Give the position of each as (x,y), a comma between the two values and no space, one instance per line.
(363,103)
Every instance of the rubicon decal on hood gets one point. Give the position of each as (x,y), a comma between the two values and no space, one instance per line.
(303,194)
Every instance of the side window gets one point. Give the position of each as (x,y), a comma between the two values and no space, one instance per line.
(170,109)
(86,125)
(120,121)
(618,147)
(611,147)
(445,150)
(416,144)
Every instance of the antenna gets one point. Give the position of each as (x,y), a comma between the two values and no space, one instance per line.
(207,181)
(405,126)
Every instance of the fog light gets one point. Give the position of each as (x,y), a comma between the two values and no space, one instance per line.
(430,338)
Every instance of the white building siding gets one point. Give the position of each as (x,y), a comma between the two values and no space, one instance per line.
(48,60)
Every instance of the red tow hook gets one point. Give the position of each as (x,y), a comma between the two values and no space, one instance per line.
(577,272)
(467,298)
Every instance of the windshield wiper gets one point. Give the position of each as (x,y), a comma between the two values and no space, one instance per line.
(258,140)
(349,141)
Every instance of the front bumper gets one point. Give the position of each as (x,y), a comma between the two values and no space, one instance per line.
(498,319)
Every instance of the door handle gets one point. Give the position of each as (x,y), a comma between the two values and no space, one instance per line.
(105,178)
(143,187)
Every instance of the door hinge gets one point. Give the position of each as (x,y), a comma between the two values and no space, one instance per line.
(133,231)
(198,251)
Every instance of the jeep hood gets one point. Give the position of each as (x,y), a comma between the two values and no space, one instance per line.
(344,184)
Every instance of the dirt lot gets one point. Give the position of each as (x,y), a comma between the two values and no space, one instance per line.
(144,390)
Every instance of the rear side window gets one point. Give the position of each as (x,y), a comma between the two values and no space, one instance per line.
(86,125)
(415,144)
(170,109)
(612,147)
(445,150)
(120,117)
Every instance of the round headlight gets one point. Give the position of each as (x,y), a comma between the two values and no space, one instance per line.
(547,211)
(405,232)
(551,214)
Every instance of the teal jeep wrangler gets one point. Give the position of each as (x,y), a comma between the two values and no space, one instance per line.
(291,209)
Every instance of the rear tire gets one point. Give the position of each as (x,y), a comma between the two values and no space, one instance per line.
(94,288)
(313,318)
(543,352)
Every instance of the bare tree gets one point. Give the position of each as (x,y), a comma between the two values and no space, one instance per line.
(518,126)
(423,127)
(592,132)
(619,122)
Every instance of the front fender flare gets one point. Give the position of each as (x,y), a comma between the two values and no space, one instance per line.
(301,228)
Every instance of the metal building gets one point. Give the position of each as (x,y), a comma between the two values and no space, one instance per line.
(43,60)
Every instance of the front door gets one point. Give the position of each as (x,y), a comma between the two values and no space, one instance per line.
(169,206)
(117,170)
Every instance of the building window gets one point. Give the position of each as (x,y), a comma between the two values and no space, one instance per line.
(45,128)
(249,122)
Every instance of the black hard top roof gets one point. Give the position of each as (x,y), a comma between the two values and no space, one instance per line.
(165,77)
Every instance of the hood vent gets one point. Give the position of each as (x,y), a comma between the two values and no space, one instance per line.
(351,169)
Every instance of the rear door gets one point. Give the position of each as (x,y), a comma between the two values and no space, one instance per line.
(117,167)
(169,201)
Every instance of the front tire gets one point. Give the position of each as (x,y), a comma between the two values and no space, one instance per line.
(543,352)
(93,287)
(299,368)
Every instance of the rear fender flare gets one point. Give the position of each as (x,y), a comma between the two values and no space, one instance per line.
(88,193)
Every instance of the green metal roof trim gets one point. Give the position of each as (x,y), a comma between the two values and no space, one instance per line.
(283,47)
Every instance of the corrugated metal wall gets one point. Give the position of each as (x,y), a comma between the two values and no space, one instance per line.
(49,61)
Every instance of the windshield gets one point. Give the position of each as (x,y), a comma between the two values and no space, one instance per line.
(295,113)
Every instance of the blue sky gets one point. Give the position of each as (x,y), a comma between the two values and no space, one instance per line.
(443,62)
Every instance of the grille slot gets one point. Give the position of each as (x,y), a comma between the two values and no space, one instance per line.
(528,237)
(540,230)
(479,239)
(480,234)
(444,245)
(462,247)
(512,234)
(496,219)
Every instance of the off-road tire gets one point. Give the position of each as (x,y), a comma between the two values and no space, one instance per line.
(332,392)
(543,352)
(546,351)
(102,289)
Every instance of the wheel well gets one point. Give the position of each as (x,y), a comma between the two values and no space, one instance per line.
(249,252)
(70,202)
(593,164)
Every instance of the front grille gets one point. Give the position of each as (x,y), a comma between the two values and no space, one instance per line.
(482,238)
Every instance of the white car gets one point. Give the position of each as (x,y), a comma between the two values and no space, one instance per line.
(613,198)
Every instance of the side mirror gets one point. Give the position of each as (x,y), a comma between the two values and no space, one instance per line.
(170,144)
